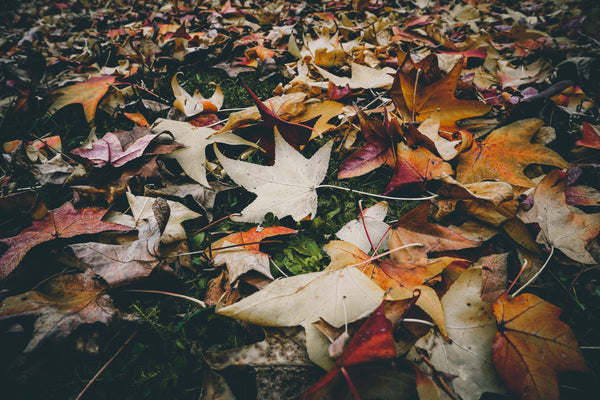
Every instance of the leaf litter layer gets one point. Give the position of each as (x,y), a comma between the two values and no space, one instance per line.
(120,221)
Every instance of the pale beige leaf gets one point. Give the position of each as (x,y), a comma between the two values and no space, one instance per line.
(362,77)
(354,231)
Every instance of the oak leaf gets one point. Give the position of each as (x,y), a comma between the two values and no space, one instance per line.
(192,157)
(87,93)
(288,187)
(532,345)
(240,257)
(505,153)
(413,98)
(567,230)
(61,305)
(63,222)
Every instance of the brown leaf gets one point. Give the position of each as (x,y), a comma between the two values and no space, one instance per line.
(63,222)
(532,345)
(61,306)
(493,275)
(562,228)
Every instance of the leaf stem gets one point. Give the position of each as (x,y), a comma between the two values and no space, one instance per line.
(182,296)
(352,387)
(533,278)
(379,196)
(362,218)
(386,253)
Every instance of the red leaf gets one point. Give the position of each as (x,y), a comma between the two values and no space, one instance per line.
(591,137)
(63,222)
(373,341)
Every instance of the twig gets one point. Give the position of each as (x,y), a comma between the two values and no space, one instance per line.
(182,296)
(105,366)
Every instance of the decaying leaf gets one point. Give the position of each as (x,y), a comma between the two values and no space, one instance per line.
(288,187)
(63,222)
(532,345)
(61,305)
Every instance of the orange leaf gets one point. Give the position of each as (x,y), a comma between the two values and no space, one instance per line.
(532,345)
(411,96)
(87,93)
(505,153)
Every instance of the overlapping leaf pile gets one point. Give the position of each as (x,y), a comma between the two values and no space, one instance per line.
(484,112)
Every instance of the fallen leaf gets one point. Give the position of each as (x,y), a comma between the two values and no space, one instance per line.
(61,305)
(193,105)
(87,93)
(471,327)
(379,150)
(373,341)
(324,111)
(192,157)
(591,137)
(416,101)
(63,222)
(304,299)
(241,258)
(493,274)
(505,153)
(414,168)
(288,187)
(532,345)
(368,227)
(561,227)
(362,77)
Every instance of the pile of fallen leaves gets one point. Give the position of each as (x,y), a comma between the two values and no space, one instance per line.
(482,113)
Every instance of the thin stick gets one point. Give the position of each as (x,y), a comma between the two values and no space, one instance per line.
(226,247)
(533,278)
(352,387)
(386,253)
(182,296)
(278,269)
(215,222)
(517,277)
(376,195)
(419,321)
(362,217)
(105,366)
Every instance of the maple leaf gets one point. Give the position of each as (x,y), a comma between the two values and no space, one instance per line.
(505,153)
(471,328)
(193,105)
(288,187)
(362,77)
(63,222)
(562,228)
(192,157)
(368,227)
(379,149)
(61,305)
(303,299)
(532,345)
(87,93)
(116,149)
(373,341)
(416,101)
(414,168)
(246,257)
(120,265)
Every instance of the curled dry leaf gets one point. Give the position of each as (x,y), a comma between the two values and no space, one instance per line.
(192,157)
(63,222)
(362,77)
(532,345)
(288,187)
(193,105)
(562,228)
(61,305)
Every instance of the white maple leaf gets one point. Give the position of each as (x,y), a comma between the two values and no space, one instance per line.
(288,187)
